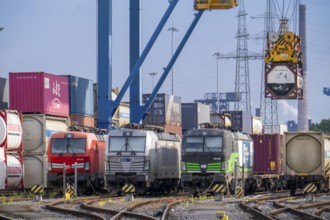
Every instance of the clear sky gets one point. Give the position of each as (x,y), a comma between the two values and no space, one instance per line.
(59,37)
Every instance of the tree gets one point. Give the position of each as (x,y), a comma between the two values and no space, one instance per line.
(323,126)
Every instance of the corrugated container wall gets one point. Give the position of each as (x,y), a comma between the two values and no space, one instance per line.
(81,96)
(39,92)
(4,93)
(268,153)
(194,114)
(165,109)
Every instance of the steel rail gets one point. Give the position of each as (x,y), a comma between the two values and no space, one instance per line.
(321,210)
(255,212)
(53,207)
(293,210)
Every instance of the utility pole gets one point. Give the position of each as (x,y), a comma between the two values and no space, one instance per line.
(153,74)
(172,29)
(268,107)
(242,56)
(217,57)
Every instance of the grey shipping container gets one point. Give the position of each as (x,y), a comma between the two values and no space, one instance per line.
(4,93)
(165,109)
(194,114)
(81,96)
(241,120)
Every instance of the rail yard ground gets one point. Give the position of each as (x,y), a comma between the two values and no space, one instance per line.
(278,205)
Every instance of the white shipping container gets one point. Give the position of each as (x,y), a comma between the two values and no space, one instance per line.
(35,170)
(256,125)
(14,172)
(10,128)
(2,153)
(3,130)
(37,129)
(2,168)
(2,174)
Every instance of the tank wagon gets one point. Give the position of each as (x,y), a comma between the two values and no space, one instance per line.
(145,157)
(83,148)
(209,155)
(306,160)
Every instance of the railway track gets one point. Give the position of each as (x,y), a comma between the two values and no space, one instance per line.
(115,209)
(280,208)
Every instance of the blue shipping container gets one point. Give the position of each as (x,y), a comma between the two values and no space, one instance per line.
(81,96)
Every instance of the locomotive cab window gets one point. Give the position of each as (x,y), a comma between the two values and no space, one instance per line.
(214,144)
(204,144)
(127,144)
(68,146)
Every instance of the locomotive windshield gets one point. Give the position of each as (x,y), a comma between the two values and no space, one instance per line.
(204,144)
(68,146)
(132,144)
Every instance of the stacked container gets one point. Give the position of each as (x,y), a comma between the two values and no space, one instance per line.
(43,99)
(165,111)
(81,101)
(241,120)
(11,150)
(194,114)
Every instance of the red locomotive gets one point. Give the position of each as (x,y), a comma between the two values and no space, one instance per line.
(84,149)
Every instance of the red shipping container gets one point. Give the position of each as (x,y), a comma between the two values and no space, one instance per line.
(268,154)
(39,92)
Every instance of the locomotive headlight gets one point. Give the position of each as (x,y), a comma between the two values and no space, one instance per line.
(224,166)
(49,166)
(183,166)
(146,165)
(86,166)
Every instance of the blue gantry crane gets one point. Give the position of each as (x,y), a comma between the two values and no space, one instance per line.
(106,106)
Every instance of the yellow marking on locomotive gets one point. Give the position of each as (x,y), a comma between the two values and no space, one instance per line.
(37,189)
(128,188)
(310,188)
(219,188)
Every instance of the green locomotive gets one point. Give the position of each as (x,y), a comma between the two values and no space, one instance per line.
(209,155)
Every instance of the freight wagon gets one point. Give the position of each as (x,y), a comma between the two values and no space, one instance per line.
(86,150)
(306,160)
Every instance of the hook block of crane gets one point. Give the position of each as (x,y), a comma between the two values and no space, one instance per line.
(214,4)
(283,48)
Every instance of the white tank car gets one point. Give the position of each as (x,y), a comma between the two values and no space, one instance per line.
(306,160)
(149,160)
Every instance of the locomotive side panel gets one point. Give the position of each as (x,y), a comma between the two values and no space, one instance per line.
(168,156)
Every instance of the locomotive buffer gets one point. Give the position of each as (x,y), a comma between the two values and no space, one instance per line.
(37,190)
(219,190)
(128,189)
(310,190)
